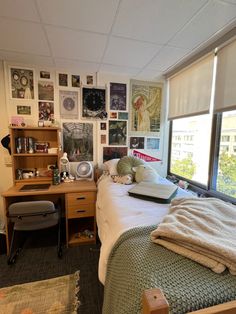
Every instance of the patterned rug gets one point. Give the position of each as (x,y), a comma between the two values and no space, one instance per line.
(57,295)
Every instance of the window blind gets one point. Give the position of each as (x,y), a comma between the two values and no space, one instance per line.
(225,91)
(190,89)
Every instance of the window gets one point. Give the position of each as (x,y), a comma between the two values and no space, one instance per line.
(193,160)
(225,138)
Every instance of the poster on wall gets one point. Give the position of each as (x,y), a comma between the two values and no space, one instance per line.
(45,90)
(114,152)
(136,142)
(117,132)
(46,111)
(145,107)
(22,83)
(94,102)
(68,104)
(117,96)
(78,141)
(25,110)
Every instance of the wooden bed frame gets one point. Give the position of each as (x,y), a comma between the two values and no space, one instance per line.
(154,302)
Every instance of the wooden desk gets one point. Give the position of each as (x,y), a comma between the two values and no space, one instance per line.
(78,201)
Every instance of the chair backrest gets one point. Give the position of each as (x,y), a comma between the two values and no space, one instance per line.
(31,208)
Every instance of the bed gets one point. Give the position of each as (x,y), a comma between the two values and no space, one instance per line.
(140,276)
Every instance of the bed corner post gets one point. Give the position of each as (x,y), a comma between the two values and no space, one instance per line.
(154,302)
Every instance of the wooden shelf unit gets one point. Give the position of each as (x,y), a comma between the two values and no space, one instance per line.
(26,160)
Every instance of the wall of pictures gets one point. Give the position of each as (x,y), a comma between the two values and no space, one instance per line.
(101,118)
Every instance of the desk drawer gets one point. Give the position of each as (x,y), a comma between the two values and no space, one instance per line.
(80,198)
(83,210)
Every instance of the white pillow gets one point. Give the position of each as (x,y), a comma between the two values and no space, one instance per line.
(111,166)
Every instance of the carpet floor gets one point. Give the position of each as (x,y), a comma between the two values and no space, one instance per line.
(38,260)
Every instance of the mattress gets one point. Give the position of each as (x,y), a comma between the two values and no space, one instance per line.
(117,212)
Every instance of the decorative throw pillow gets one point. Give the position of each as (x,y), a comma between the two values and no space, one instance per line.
(111,166)
(145,173)
(127,179)
(126,164)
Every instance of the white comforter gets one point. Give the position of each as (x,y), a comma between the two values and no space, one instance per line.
(117,212)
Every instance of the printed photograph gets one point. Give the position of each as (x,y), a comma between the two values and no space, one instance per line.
(117,132)
(153,143)
(117,96)
(114,152)
(22,83)
(44,74)
(23,110)
(103,126)
(46,90)
(145,106)
(113,115)
(103,138)
(62,79)
(75,80)
(46,111)
(68,104)
(123,115)
(136,142)
(89,79)
(94,102)
(78,141)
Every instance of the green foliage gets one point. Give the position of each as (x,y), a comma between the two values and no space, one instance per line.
(184,168)
(226,180)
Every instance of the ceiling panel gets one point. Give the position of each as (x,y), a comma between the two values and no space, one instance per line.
(23,37)
(78,45)
(75,65)
(127,52)
(147,74)
(91,15)
(213,18)
(154,21)
(23,9)
(130,71)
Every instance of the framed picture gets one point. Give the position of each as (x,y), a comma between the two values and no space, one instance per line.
(114,152)
(23,110)
(103,126)
(117,132)
(22,83)
(136,142)
(68,104)
(153,143)
(75,80)
(145,107)
(113,115)
(103,138)
(89,80)
(123,115)
(78,141)
(45,75)
(117,96)
(46,111)
(62,79)
(45,90)
(94,103)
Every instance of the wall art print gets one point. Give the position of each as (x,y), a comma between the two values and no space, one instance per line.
(68,104)
(114,152)
(22,83)
(123,115)
(46,90)
(78,141)
(117,132)
(45,75)
(62,79)
(46,111)
(145,107)
(153,143)
(117,96)
(136,142)
(75,80)
(94,103)
(23,110)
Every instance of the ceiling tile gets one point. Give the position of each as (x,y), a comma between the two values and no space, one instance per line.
(154,21)
(147,74)
(74,65)
(125,52)
(167,57)
(23,9)
(26,58)
(212,19)
(118,69)
(90,15)
(23,37)
(84,46)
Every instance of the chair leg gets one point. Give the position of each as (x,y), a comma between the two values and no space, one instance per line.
(15,252)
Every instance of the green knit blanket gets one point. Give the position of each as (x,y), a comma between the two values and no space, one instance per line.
(136,264)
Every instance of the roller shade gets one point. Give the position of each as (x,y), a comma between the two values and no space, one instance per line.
(190,90)
(225,92)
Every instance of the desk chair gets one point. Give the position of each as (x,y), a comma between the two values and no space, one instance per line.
(30,216)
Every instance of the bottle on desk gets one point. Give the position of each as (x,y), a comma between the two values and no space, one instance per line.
(56,175)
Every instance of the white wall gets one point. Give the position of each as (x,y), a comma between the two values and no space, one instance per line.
(8,108)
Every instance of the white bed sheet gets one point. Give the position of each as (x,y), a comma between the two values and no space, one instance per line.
(117,212)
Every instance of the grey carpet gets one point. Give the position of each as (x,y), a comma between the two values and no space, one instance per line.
(38,260)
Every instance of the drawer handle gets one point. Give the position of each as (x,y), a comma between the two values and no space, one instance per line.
(81,211)
(81,198)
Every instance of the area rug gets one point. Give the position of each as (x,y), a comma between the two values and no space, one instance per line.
(52,296)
